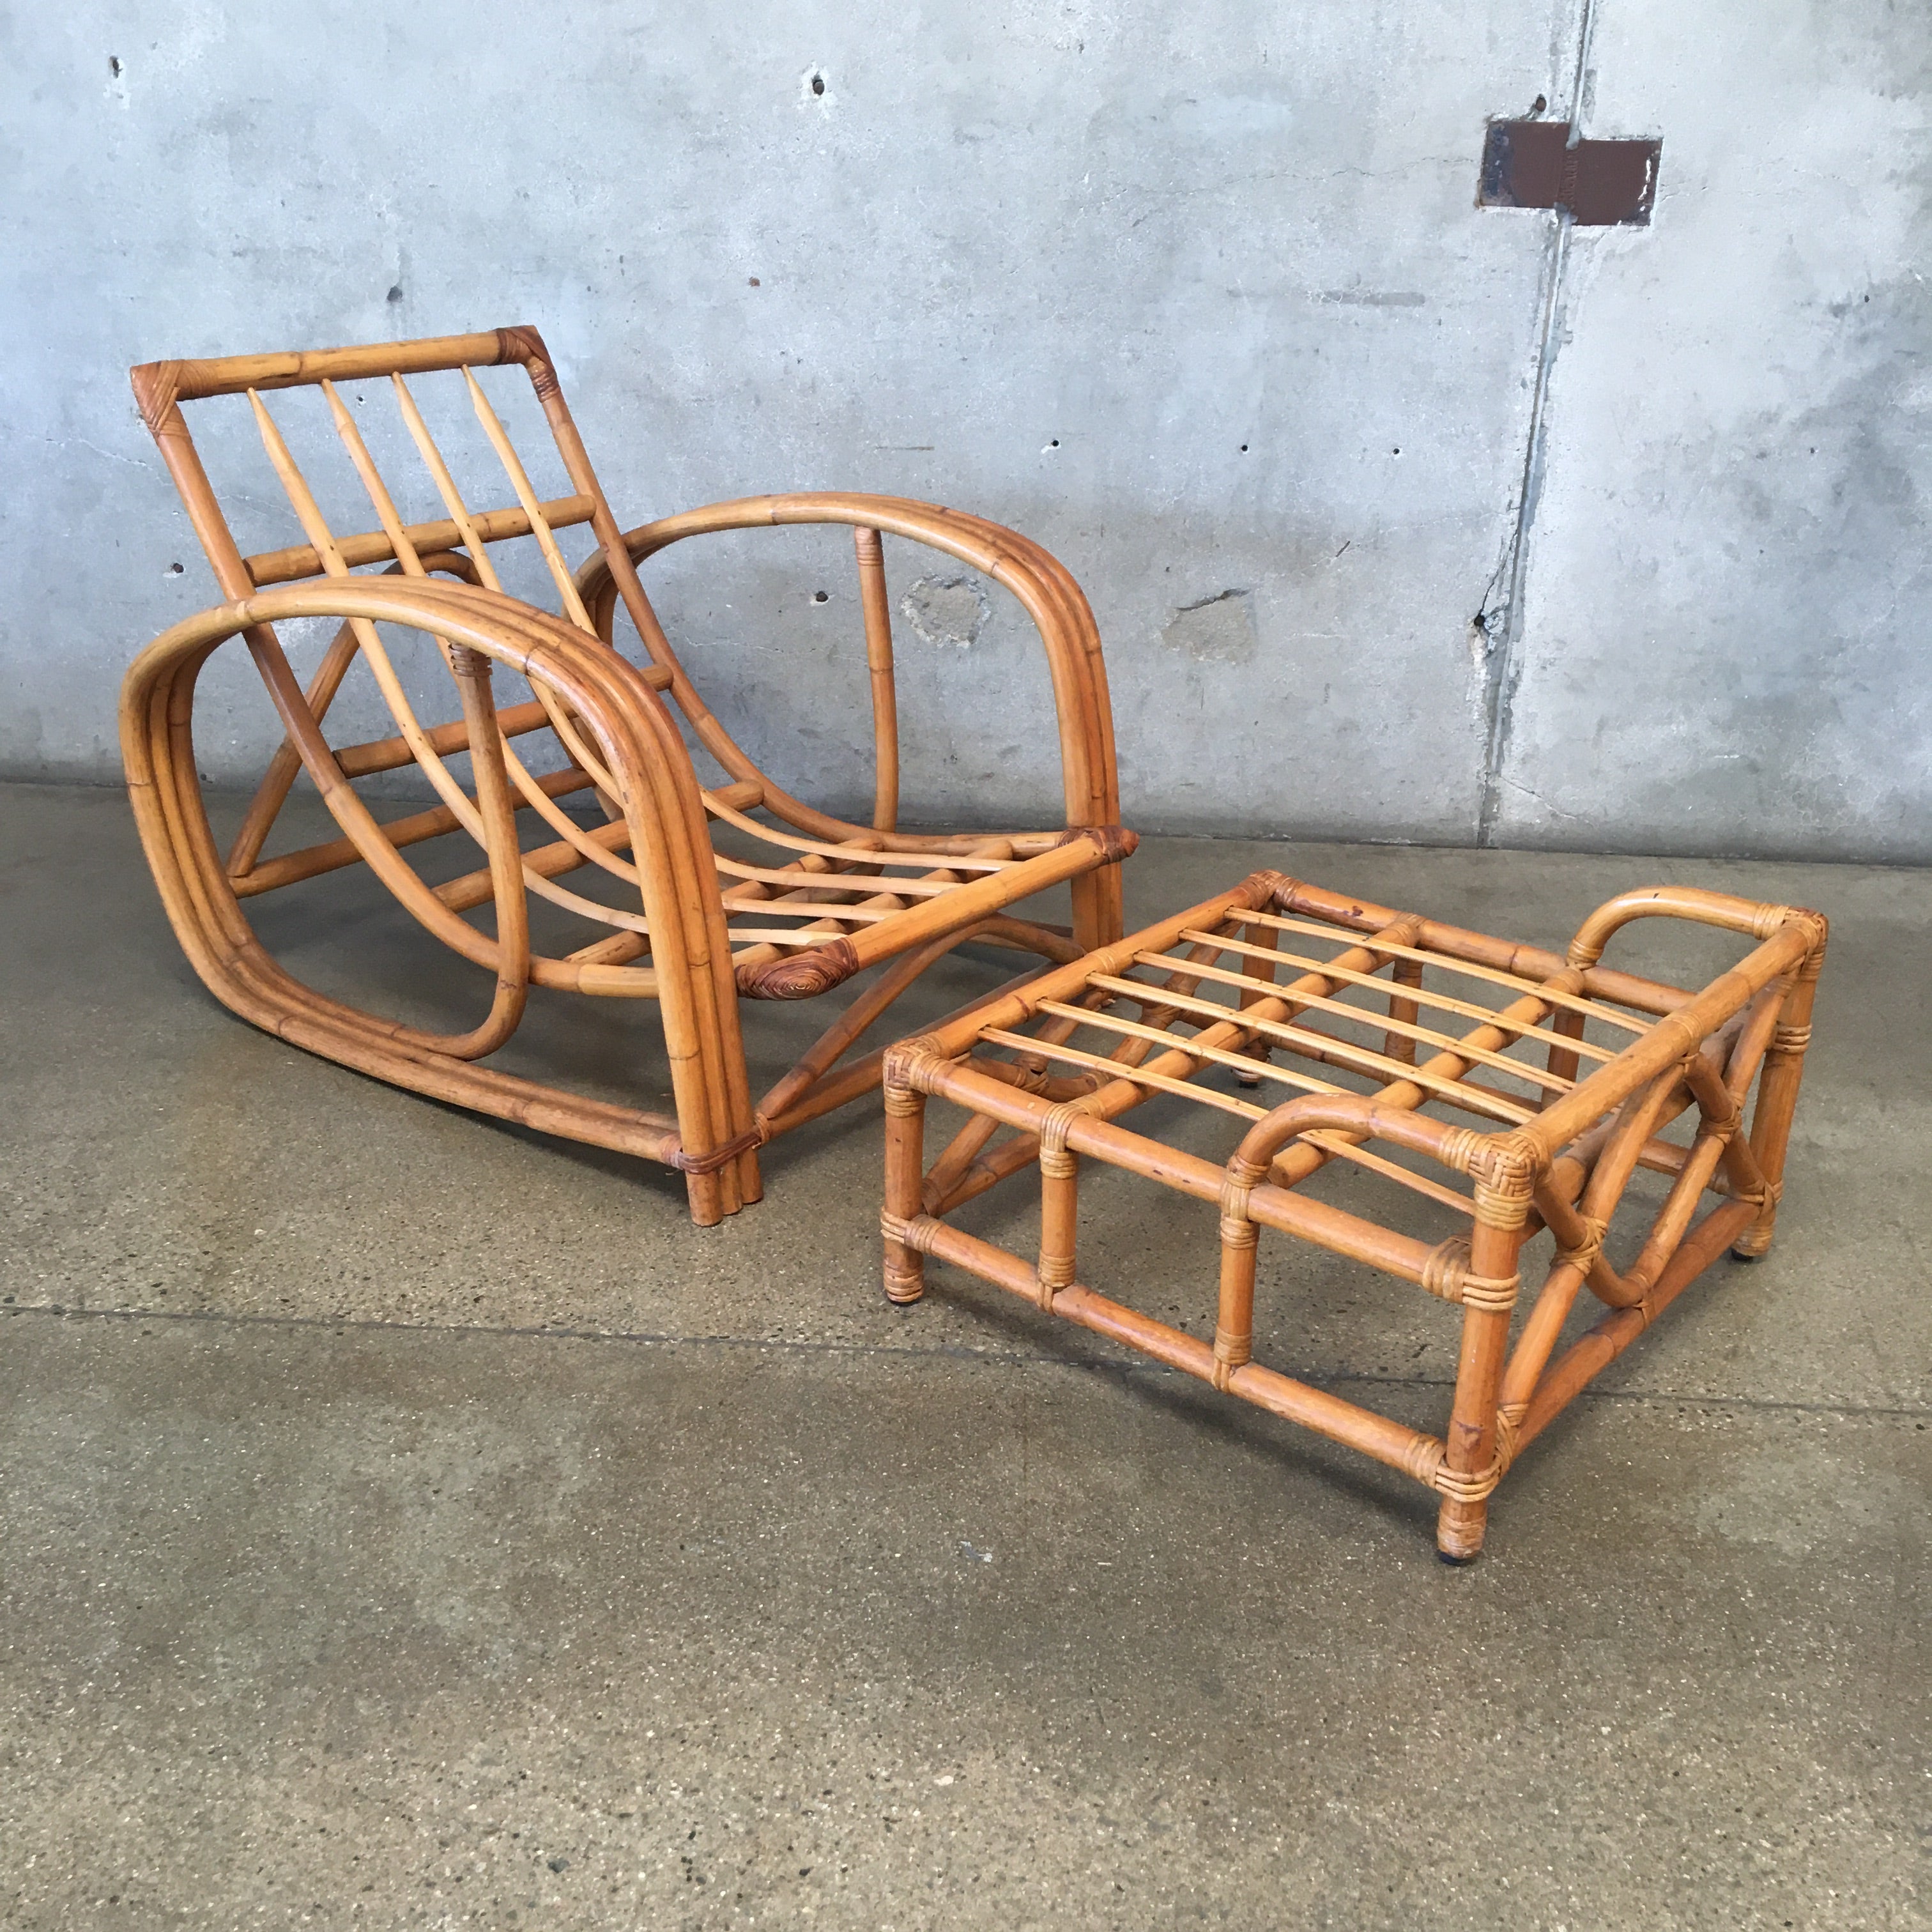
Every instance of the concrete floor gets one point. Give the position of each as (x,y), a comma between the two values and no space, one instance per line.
(409,1521)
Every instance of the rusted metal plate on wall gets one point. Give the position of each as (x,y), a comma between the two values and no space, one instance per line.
(1535,164)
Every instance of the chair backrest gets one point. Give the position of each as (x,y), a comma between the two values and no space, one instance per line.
(160,389)
(458,544)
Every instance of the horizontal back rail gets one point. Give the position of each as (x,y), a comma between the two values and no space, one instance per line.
(284,566)
(169,382)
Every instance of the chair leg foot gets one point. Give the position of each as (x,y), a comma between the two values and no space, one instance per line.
(1459,1530)
(904,1286)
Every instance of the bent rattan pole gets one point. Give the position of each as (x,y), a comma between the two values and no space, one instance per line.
(1051,598)
(498,813)
(879,664)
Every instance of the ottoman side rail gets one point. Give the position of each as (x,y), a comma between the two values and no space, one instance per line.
(969,1086)
(913,1071)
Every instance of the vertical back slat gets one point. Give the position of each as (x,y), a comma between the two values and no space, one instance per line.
(513,468)
(459,514)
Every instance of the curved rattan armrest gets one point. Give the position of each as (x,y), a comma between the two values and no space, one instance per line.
(646,757)
(1045,588)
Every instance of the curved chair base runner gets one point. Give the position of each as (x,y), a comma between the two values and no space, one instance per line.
(1514,1092)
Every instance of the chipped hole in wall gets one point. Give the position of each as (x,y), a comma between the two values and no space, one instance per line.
(818,83)
(395,294)
(1219,629)
(951,610)
(114,65)
(172,570)
(819,597)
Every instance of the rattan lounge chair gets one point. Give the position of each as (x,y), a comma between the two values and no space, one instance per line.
(1514,1091)
(791,903)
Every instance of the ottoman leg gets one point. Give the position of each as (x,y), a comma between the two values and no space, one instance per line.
(1474,1463)
(905,1164)
(1777,1100)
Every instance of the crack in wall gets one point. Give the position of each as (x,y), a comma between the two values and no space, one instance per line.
(1498,623)
(1500,620)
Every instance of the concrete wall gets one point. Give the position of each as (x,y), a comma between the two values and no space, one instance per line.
(1402,519)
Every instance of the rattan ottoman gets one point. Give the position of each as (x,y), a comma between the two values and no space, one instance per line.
(1501,1089)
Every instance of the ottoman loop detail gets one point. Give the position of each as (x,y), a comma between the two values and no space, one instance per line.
(1443,1271)
(1474,1488)
(1230,1352)
(1054,1159)
(1583,1256)
(1445,1274)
